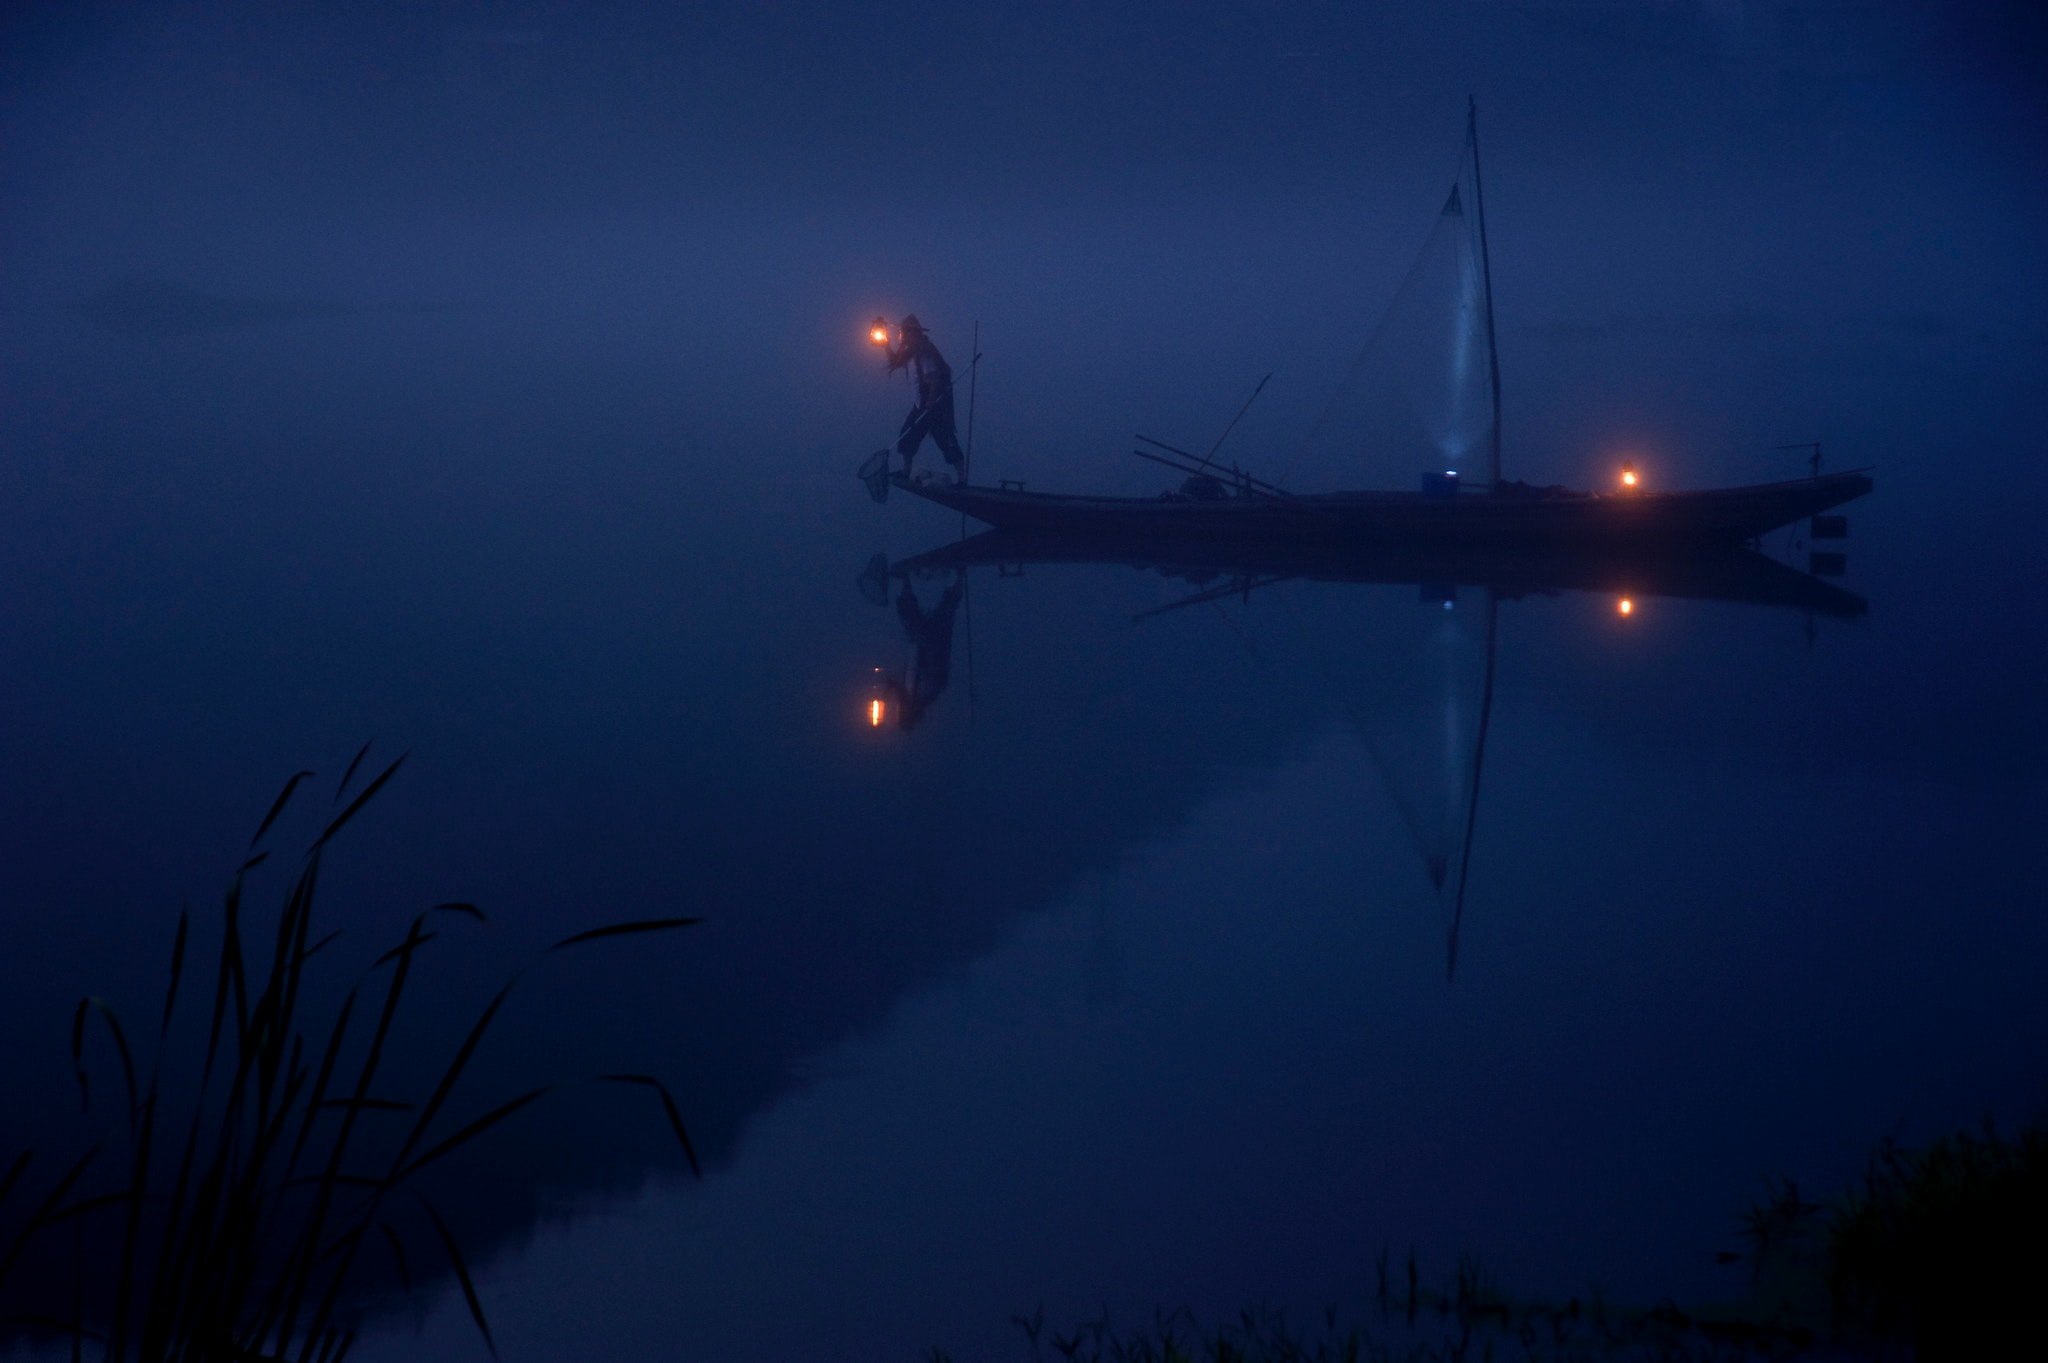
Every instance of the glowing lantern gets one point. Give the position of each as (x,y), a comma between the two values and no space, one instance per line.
(1625,606)
(875,713)
(878,331)
(1628,476)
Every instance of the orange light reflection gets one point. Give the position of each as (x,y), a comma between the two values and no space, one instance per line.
(875,709)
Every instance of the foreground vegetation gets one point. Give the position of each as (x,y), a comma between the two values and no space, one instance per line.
(1937,1253)
(257,1156)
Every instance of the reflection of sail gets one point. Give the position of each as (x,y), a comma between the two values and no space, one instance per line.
(1418,695)
(1423,393)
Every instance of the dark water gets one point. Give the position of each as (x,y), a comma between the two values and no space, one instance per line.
(1118,980)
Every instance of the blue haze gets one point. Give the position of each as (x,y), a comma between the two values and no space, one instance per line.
(1118,980)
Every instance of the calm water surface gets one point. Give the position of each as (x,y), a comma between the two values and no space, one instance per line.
(1117,979)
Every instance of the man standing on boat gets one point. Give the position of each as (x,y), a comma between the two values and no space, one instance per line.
(933,413)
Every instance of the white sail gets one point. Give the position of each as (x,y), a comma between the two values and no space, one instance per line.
(1423,394)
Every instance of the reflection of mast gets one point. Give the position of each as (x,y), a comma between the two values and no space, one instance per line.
(1472,805)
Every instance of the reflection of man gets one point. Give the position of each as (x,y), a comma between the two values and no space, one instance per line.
(932,414)
(930,637)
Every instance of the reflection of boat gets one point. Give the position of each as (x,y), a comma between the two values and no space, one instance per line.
(1423,702)
(1426,389)
(1509,570)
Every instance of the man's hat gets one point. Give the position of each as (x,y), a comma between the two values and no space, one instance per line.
(911,323)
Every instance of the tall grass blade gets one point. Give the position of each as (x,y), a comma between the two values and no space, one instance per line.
(668,1103)
(399,1260)
(90,1004)
(470,1132)
(14,1173)
(318,1098)
(623,929)
(177,973)
(324,1196)
(138,1186)
(57,1325)
(368,1104)
(228,978)
(45,1211)
(405,948)
(355,806)
(85,1206)
(476,1307)
(277,806)
(314,950)
(446,1085)
(354,762)
(293,962)
(332,1345)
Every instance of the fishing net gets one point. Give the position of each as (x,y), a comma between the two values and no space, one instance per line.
(874,471)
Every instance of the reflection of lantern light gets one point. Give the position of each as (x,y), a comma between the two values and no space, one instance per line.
(1625,606)
(1628,475)
(878,700)
(878,332)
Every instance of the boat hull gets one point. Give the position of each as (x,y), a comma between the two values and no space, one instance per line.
(1551,517)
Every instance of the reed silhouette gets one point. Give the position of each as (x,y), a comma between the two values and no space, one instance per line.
(241,1205)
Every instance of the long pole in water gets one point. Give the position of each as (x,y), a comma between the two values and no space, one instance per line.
(973,372)
(1257,484)
(967,578)
(967,461)
(1234,420)
(1486,277)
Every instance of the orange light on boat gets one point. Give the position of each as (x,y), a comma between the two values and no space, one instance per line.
(878,331)
(1625,606)
(1628,475)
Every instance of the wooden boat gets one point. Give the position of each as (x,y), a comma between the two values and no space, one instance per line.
(1505,515)
(1448,393)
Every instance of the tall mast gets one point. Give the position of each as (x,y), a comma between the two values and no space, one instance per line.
(1486,278)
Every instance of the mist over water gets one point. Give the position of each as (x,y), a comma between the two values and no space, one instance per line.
(489,384)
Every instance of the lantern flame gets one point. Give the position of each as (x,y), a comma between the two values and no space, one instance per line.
(875,709)
(1628,475)
(1625,606)
(878,331)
